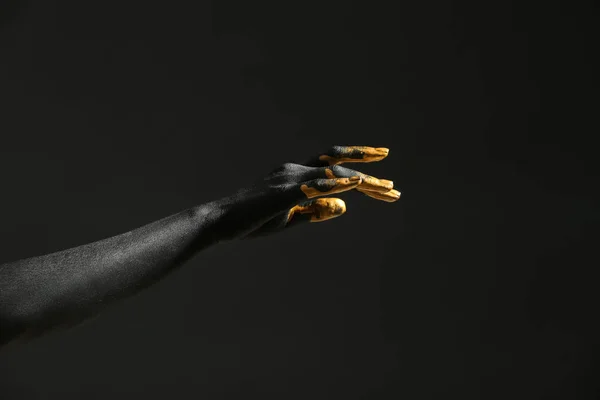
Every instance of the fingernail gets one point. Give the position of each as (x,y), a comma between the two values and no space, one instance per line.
(354,179)
(383,150)
(387,184)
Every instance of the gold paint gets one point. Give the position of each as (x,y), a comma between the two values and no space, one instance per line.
(341,185)
(295,210)
(376,185)
(368,182)
(390,196)
(321,209)
(369,154)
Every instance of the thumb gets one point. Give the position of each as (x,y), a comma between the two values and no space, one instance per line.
(316,210)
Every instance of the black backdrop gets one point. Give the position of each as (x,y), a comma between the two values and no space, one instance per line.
(477,284)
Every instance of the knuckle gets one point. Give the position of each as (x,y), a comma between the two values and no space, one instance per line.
(290,167)
(343,172)
(337,149)
(288,172)
(338,171)
(285,169)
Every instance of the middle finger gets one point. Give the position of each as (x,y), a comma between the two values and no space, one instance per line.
(369,183)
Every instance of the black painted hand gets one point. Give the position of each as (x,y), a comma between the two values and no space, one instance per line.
(297,193)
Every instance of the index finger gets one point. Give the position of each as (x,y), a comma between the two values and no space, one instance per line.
(348,154)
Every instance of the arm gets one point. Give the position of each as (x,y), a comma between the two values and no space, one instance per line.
(64,288)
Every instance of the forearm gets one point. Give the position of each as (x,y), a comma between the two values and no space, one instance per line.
(65,287)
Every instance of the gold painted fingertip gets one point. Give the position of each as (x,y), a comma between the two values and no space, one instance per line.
(374,184)
(356,154)
(383,150)
(372,154)
(321,209)
(326,209)
(390,196)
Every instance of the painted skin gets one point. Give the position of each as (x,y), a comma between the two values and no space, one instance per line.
(64,288)
(380,189)
(319,210)
(328,178)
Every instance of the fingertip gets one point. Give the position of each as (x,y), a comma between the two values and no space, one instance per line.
(390,196)
(384,150)
(339,205)
(324,209)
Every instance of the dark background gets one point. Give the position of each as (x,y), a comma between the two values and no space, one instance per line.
(478,284)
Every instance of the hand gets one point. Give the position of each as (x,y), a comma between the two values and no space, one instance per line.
(293,194)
